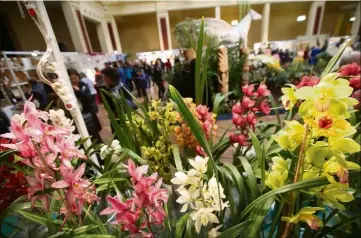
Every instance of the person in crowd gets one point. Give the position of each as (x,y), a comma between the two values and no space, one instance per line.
(158,78)
(168,65)
(115,65)
(128,72)
(121,73)
(85,98)
(91,87)
(37,94)
(99,83)
(116,88)
(306,54)
(107,65)
(282,56)
(141,80)
(287,57)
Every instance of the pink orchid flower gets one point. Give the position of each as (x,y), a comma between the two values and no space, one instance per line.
(247,103)
(237,108)
(238,120)
(263,91)
(248,90)
(264,107)
(72,179)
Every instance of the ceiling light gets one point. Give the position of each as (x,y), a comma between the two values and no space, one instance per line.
(234,22)
(34,54)
(115,52)
(352,18)
(301,18)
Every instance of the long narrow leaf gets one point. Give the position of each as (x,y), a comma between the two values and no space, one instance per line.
(259,215)
(311,183)
(260,157)
(251,178)
(218,99)
(237,178)
(177,159)
(334,60)
(181,224)
(235,231)
(197,82)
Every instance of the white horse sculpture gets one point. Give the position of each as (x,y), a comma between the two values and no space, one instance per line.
(224,32)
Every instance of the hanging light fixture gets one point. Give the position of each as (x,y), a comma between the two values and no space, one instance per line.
(352,19)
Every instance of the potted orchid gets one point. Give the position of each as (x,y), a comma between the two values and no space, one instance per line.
(300,182)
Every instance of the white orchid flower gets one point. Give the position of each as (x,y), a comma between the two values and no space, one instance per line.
(187,196)
(213,233)
(202,217)
(199,164)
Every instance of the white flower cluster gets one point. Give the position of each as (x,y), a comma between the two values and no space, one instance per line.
(58,118)
(199,195)
(114,149)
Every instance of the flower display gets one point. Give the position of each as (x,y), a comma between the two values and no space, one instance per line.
(113,150)
(350,70)
(202,197)
(243,113)
(145,208)
(206,119)
(324,136)
(47,149)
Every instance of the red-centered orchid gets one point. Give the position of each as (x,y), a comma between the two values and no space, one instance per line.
(248,90)
(145,209)
(355,83)
(263,91)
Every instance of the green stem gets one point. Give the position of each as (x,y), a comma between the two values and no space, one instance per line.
(289,227)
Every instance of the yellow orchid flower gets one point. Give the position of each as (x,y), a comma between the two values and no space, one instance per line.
(279,174)
(337,165)
(289,99)
(344,145)
(333,194)
(306,214)
(291,136)
(327,126)
(331,97)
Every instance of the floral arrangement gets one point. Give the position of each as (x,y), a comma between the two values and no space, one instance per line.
(299,180)
(243,113)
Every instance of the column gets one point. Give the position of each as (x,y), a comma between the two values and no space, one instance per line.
(104,37)
(315,17)
(217,12)
(356,23)
(114,34)
(76,27)
(265,22)
(165,41)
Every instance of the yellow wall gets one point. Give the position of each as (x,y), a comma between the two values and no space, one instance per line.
(230,13)
(333,14)
(26,34)
(283,24)
(138,33)
(179,16)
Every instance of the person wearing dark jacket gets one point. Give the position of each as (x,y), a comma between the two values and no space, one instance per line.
(116,88)
(84,96)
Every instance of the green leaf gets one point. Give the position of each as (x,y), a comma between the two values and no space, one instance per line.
(190,120)
(238,180)
(204,82)
(94,236)
(83,229)
(177,158)
(334,60)
(218,99)
(181,225)
(311,183)
(260,157)
(32,217)
(258,215)
(235,231)
(251,178)
(96,220)
(108,180)
(134,156)
(198,86)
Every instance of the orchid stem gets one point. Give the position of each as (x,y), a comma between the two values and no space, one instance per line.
(149,226)
(290,207)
